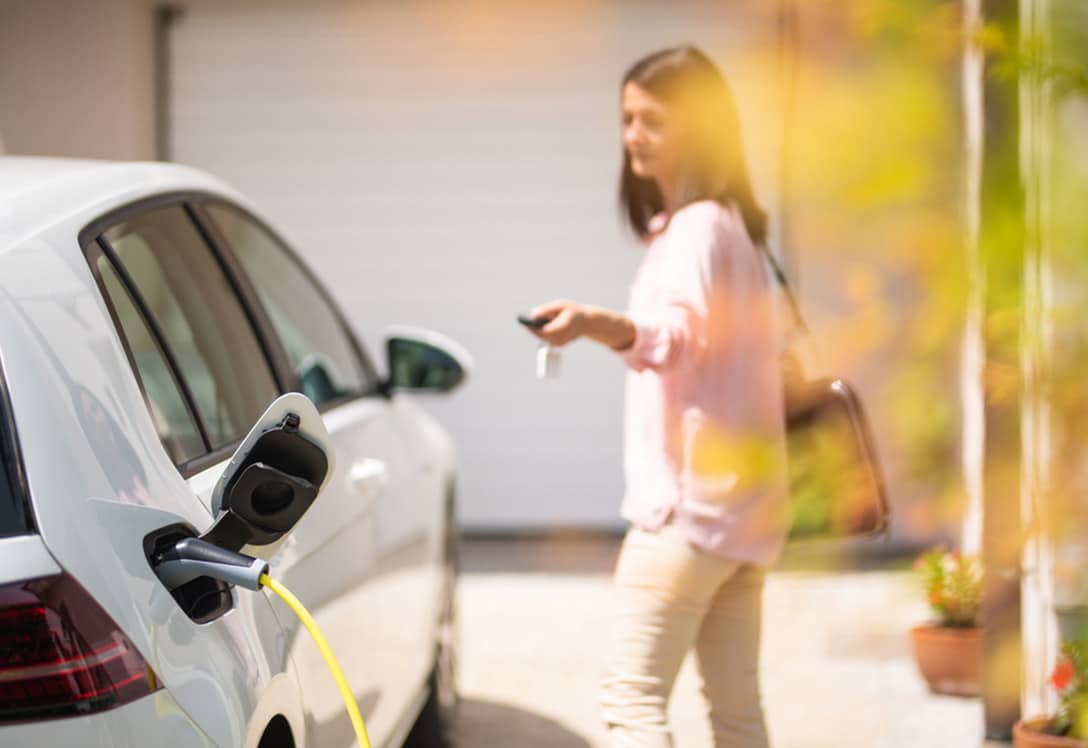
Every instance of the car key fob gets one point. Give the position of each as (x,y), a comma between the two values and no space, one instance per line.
(534,322)
(547,362)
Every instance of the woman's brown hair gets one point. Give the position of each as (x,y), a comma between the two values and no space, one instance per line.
(688,82)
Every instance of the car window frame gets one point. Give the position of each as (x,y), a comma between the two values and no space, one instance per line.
(369,373)
(284,377)
(99,251)
(92,236)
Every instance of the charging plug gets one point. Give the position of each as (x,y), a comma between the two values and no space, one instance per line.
(193,558)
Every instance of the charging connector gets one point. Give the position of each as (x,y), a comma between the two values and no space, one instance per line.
(192,558)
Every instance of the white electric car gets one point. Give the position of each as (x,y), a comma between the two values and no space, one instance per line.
(148,318)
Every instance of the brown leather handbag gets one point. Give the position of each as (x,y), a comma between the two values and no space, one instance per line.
(836,484)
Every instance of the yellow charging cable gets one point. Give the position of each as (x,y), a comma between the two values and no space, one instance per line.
(334,667)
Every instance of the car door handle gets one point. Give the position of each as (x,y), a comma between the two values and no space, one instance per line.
(368,478)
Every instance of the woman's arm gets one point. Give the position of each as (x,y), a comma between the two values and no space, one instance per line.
(676,337)
(570,320)
(669,334)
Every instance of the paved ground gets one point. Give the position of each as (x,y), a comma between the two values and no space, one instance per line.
(837,671)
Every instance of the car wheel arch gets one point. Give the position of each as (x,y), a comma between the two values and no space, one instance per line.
(279,713)
(277,734)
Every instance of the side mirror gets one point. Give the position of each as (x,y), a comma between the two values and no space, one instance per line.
(273,477)
(424,361)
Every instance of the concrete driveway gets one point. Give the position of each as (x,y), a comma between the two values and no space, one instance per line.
(837,671)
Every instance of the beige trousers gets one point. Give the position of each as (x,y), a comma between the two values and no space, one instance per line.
(669,596)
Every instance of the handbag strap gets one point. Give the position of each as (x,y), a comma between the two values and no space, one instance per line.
(780,276)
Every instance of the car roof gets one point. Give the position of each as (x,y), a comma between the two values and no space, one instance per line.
(36,193)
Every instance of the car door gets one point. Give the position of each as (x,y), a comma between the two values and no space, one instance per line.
(334,558)
(206,378)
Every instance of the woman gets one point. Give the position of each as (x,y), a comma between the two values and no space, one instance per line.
(704,452)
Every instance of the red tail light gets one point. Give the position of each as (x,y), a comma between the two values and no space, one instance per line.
(61,654)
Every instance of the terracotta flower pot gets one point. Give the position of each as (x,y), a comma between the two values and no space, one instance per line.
(1028,733)
(950,658)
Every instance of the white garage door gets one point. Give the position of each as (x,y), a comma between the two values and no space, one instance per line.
(449,165)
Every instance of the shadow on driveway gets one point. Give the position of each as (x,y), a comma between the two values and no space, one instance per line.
(567,551)
(487,724)
(555,552)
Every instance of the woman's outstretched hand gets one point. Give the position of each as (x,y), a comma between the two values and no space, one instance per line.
(566,321)
(569,320)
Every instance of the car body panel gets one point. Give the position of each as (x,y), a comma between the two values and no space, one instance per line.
(25,557)
(156,715)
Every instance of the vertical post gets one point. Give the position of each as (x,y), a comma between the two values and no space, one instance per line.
(1001,255)
(973,416)
(789,43)
(1037,583)
(165,17)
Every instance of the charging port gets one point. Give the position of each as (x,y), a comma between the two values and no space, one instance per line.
(203,599)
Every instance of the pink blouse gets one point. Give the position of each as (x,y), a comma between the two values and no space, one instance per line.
(704,425)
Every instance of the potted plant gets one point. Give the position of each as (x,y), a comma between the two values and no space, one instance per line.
(1069,727)
(948,651)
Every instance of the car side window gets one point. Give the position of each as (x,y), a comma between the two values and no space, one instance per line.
(320,349)
(191,301)
(173,421)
